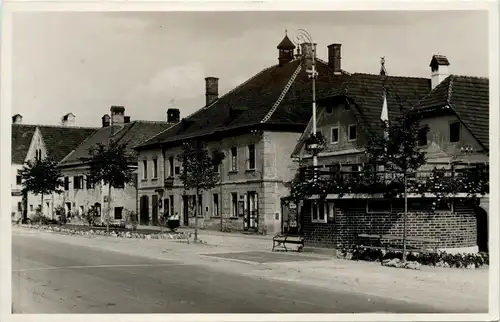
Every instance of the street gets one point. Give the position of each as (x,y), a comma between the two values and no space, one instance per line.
(53,277)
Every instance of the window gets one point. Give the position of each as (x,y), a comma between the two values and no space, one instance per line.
(118,213)
(19,206)
(144,169)
(378,206)
(78,182)
(66,183)
(335,135)
(444,206)
(119,183)
(31,207)
(454,132)
(318,211)
(251,157)
(90,183)
(234,159)
(234,204)
(171,166)
(177,170)
(155,168)
(38,154)
(215,206)
(19,180)
(353,132)
(422,137)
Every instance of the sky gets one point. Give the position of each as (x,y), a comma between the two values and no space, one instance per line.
(85,62)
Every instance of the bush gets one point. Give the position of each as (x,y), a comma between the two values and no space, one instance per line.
(90,216)
(132,219)
(459,260)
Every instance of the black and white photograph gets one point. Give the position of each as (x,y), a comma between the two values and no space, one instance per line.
(249,161)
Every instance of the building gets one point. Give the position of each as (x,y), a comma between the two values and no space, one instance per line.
(256,125)
(456,109)
(79,194)
(39,141)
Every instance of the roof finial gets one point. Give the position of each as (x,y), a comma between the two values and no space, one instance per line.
(286,32)
(383,71)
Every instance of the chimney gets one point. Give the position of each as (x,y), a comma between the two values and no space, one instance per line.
(117,115)
(17,119)
(439,69)
(68,120)
(211,90)
(126,119)
(105,120)
(173,115)
(308,54)
(334,58)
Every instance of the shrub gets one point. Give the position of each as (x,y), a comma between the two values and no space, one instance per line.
(459,260)
(132,219)
(90,216)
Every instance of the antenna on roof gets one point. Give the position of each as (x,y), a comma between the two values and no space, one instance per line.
(383,71)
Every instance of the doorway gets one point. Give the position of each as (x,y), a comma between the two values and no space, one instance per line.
(185,210)
(251,222)
(482,229)
(144,210)
(155,210)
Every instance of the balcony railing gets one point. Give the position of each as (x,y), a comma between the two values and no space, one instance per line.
(432,178)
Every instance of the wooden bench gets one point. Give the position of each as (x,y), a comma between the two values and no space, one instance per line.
(281,241)
(381,238)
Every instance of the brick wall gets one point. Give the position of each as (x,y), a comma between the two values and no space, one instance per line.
(452,229)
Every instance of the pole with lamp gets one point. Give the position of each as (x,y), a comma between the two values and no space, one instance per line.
(314,144)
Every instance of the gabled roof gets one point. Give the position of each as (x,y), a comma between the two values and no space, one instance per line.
(22,135)
(277,96)
(132,133)
(60,140)
(468,97)
(365,92)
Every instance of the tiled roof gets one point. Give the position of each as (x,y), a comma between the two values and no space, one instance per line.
(133,133)
(286,43)
(60,140)
(366,93)
(21,140)
(250,103)
(468,97)
(439,60)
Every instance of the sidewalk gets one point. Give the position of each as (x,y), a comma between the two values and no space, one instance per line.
(452,289)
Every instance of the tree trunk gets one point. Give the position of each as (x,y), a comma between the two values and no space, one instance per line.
(196,216)
(405,215)
(41,204)
(25,207)
(108,218)
(221,208)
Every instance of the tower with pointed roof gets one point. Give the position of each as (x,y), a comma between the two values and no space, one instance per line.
(285,49)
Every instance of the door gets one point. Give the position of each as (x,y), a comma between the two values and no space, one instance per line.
(144,209)
(482,229)
(252,220)
(154,202)
(185,210)
(166,208)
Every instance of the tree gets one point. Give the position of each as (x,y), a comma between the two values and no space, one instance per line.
(109,165)
(40,177)
(199,171)
(395,147)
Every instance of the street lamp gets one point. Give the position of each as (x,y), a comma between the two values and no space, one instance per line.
(309,53)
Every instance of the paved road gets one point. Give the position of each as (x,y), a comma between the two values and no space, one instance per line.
(53,277)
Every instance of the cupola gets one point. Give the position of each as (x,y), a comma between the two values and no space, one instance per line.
(285,49)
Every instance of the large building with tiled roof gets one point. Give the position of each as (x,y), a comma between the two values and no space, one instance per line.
(31,141)
(256,125)
(456,109)
(79,194)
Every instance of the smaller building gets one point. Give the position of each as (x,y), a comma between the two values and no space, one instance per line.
(81,194)
(30,142)
(457,141)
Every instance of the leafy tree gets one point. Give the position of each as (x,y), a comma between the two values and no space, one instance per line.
(395,147)
(199,171)
(109,165)
(40,177)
